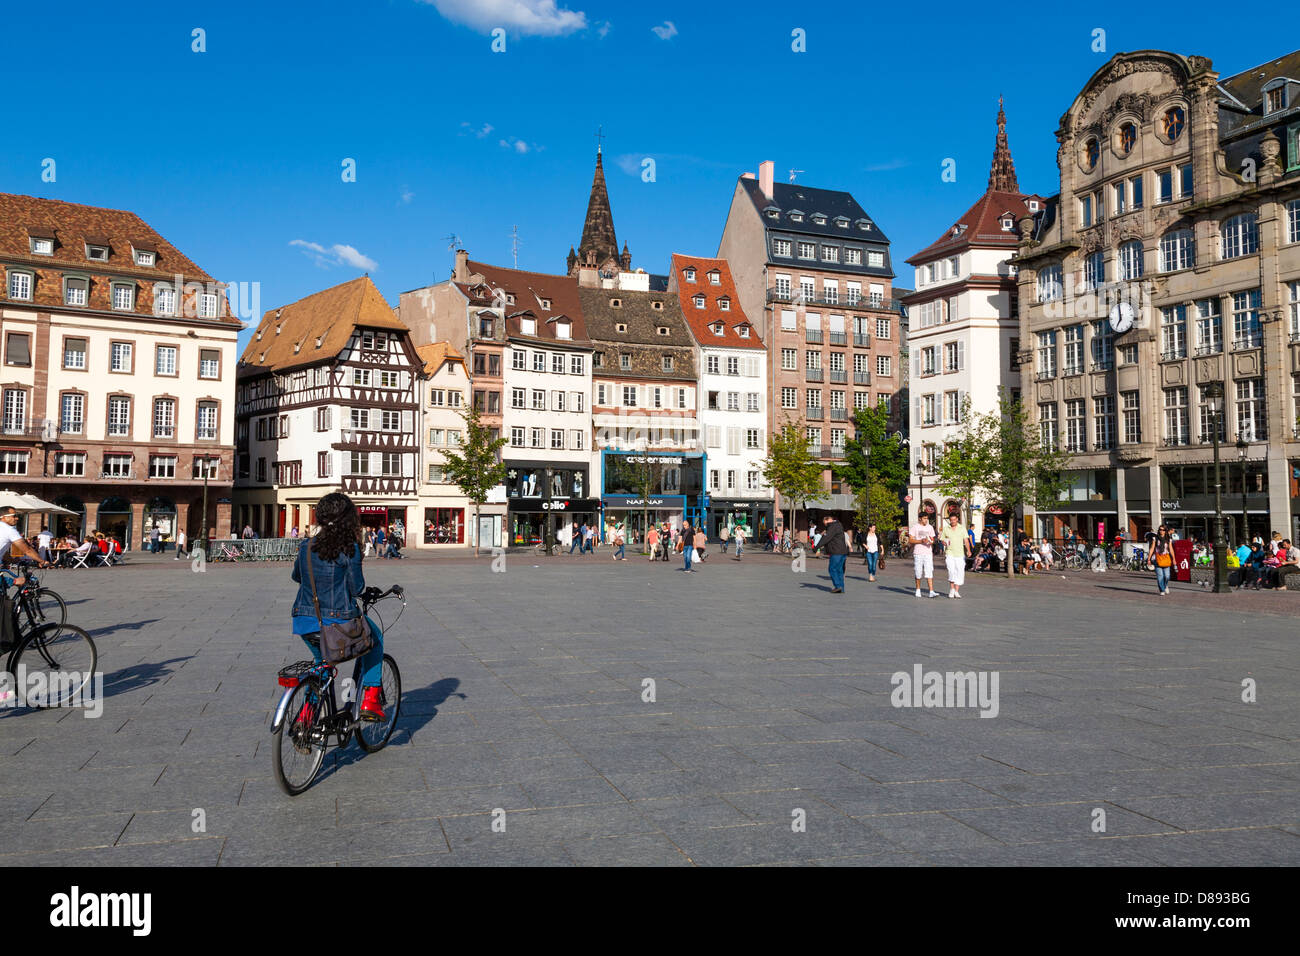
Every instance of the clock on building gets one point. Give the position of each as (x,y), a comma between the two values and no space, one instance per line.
(1121,318)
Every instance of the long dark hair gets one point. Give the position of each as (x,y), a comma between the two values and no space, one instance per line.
(340,527)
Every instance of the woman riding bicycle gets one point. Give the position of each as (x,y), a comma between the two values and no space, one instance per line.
(335,554)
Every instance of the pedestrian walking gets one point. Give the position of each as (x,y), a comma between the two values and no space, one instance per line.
(740,540)
(180,545)
(155,539)
(871,551)
(922,537)
(576,537)
(1162,554)
(956,544)
(687,541)
(652,542)
(836,547)
(589,537)
(620,541)
(700,541)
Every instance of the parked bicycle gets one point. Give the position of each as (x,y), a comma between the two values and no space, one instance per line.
(309,714)
(540,548)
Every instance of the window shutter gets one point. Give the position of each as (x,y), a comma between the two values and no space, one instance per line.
(916,411)
(408,466)
(408,421)
(961,400)
(916,363)
(376,463)
(961,354)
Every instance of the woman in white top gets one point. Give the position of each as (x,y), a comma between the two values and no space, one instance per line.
(1046,551)
(871,553)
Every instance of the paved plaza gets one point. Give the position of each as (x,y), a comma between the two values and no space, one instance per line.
(1121,736)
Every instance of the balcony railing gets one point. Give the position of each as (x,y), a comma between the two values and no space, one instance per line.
(1068,370)
(1244,342)
(830,451)
(41,429)
(1103,366)
(1044,376)
(815,413)
(838,338)
(1173,441)
(1212,348)
(861,339)
(1170,355)
(876,301)
(813,336)
(839,375)
(812,375)
(839,414)
(861,378)
(799,296)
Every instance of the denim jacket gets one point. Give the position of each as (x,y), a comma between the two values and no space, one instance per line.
(338,583)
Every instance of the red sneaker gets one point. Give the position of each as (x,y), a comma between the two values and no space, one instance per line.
(371,705)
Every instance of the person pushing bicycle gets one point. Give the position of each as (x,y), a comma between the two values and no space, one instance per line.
(335,556)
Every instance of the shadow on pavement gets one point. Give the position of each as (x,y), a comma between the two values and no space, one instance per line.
(113,628)
(140,675)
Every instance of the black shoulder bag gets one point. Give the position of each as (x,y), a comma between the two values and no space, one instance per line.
(338,642)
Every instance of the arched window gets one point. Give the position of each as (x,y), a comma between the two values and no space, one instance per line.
(1130,261)
(1177,250)
(1239,236)
(1091,153)
(1127,138)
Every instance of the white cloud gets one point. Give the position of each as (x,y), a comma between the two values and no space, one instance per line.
(525,17)
(604,29)
(478,131)
(666,31)
(335,255)
(886,166)
(519,146)
(407,195)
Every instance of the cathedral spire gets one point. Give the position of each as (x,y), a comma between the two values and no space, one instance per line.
(1002,174)
(599,246)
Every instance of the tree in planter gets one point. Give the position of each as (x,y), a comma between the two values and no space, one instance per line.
(477,468)
(791,469)
(964,463)
(1021,468)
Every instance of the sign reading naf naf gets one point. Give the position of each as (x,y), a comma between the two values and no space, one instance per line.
(654,501)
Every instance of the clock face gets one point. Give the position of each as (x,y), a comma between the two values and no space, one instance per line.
(1121,318)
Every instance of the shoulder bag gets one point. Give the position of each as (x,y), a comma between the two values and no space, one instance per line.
(338,642)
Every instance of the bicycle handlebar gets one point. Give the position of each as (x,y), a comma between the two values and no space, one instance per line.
(372,595)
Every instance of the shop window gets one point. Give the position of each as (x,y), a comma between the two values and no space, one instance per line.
(444,525)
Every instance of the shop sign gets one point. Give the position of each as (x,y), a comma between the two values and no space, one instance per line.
(1170,505)
(372,509)
(655,460)
(554,505)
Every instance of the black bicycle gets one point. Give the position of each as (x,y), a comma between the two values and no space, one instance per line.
(51,661)
(308,713)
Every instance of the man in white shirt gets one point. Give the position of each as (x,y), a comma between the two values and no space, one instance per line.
(43,544)
(740,540)
(922,536)
(11,542)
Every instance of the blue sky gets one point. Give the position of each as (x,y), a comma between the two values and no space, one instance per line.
(234,154)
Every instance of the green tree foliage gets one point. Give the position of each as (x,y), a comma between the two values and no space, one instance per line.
(791,469)
(965,463)
(872,454)
(477,468)
(877,504)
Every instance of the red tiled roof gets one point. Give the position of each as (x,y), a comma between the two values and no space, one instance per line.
(435,354)
(529,290)
(982,226)
(701,321)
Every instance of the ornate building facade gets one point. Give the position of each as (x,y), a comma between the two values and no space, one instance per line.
(327,401)
(1169,267)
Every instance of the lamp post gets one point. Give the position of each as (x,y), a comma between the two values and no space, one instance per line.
(1214,398)
(204,533)
(1242,448)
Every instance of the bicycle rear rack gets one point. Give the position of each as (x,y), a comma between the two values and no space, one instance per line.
(295,673)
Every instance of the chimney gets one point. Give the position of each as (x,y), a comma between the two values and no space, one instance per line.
(765,171)
(747,176)
(461,274)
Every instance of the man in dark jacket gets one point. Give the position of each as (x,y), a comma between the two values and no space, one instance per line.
(836,549)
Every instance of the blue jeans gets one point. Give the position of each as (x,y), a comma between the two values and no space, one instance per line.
(688,552)
(1162,578)
(372,662)
(835,565)
(740,548)
(619,552)
(873,559)
(577,543)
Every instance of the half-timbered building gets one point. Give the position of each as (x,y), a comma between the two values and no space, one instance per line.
(327,401)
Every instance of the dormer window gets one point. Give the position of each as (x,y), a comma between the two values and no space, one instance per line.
(657,305)
(663,330)
(819,219)
(319,340)
(1033,205)
(546,303)
(842,222)
(598,359)
(699,301)
(625,361)
(724,304)
(144,257)
(528,326)
(1275,98)
(690,275)
(715,277)
(510,298)
(796,217)
(97,253)
(620,327)
(42,246)
(616,303)
(742,331)
(563,330)
(719,328)
(668,363)
(1008,224)
(773,213)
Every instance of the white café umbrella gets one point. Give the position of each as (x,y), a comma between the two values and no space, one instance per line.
(29,503)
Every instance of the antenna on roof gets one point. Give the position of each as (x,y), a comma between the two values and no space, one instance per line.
(514,244)
(453,244)
(794,172)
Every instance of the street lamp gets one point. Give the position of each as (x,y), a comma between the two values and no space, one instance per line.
(1214,398)
(1242,448)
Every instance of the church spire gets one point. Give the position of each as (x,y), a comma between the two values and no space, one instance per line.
(1002,174)
(599,246)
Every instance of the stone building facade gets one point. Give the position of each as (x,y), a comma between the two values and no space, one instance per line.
(1179,209)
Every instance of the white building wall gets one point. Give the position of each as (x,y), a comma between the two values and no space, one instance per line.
(570,420)
(716,425)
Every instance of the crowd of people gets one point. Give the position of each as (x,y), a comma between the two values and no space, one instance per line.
(49,550)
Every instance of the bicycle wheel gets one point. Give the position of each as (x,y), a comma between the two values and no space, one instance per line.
(372,735)
(42,607)
(57,661)
(299,744)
